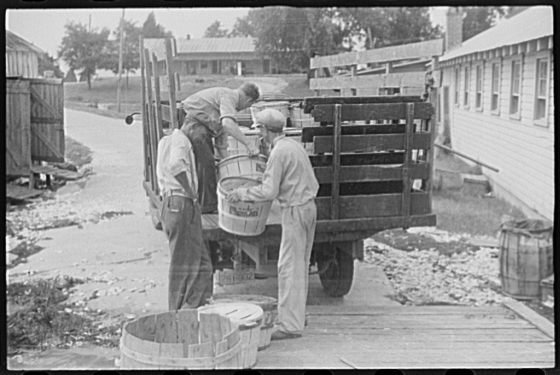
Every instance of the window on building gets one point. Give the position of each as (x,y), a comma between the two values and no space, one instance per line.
(204,65)
(515,96)
(541,97)
(467,84)
(457,76)
(495,101)
(479,72)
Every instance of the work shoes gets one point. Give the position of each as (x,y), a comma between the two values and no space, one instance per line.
(280,335)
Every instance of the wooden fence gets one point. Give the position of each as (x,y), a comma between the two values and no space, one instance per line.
(34,123)
(400,68)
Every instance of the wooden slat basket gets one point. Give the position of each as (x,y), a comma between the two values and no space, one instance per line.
(184,339)
(248,318)
(268,304)
(241,165)
(242,218)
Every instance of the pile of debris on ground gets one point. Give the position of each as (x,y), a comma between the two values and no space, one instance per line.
(424,276)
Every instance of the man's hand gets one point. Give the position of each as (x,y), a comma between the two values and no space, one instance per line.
(253,150)
(234,196)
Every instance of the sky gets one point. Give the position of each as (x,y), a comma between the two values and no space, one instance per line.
(45,27)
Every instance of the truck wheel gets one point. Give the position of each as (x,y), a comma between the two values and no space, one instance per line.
(156,221)
(336,273)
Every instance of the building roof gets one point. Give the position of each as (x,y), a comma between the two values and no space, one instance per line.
(531,24)
(203,46)
(216,45)
(15,42)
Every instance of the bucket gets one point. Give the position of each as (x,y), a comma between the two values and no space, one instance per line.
(248,318)
(268,304)
(279,106)
(299,119)
(183,339)
(235,147)
(241,218)
(241,165)
(525,257)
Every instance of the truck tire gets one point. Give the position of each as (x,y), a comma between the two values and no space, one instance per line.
(156,220)
(336,273)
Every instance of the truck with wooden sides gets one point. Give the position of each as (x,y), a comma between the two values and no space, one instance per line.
(373,158)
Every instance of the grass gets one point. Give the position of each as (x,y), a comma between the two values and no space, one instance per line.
(103,91)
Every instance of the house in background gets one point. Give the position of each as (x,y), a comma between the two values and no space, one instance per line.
(498,102)
(22,57)
(231,56)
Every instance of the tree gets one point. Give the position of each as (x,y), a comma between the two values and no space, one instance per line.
(47,62)
(83,48)
(131,49)
(243,28)
(478,19)
(215,30)
(379,27)
(151,29)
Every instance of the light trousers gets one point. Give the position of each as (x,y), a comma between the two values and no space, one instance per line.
(298,231)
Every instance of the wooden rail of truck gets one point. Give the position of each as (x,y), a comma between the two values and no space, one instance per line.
(372,156)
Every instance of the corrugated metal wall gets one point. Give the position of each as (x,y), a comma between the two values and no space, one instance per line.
(18,130)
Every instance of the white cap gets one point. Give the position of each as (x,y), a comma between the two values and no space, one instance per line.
(271,119)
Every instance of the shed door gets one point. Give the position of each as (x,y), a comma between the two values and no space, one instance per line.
(18,134)
(47,120)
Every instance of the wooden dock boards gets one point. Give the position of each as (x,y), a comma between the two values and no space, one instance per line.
(420,337)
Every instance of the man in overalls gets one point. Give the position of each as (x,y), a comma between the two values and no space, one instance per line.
(221,105)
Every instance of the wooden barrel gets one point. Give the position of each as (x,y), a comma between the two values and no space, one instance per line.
(248,318)
(268,304)
(525,260)
(242,218)
(184,339)
(241,165)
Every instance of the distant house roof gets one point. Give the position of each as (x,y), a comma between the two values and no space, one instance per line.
(216,45)
(202,48)
(531,24)
(16,43)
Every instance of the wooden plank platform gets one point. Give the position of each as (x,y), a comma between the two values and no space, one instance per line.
(20,192)
(414,337)
(56,172)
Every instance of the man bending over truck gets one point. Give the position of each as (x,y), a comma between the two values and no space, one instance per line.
(221,105)
(288,177)
(190,269)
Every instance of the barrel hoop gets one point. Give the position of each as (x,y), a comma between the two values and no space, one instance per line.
(205,362)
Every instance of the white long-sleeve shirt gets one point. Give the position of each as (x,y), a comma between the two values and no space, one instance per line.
(175,155)
(288,177)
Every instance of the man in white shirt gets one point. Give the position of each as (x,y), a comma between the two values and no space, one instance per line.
(190,269)
(290,179)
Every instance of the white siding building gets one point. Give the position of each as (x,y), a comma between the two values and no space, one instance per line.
(499,91)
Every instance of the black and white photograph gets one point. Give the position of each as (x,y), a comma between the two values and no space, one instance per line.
(282,187)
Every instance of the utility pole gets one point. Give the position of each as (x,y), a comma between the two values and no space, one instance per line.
(120,64)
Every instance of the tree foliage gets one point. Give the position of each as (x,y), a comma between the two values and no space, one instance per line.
(131,49)
(215,30)
(84,49)
(151,29)
(47,62)
(478,19)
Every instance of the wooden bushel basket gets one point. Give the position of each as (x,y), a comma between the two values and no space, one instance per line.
(525,260)
(248,318)
(241,165)
(236,148)
(268,304)
(183,339)
(241,218)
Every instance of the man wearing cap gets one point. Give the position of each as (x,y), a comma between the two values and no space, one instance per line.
(290,179)
(220,104)
(190,269)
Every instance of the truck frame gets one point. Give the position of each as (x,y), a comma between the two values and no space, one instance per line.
(373,158)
